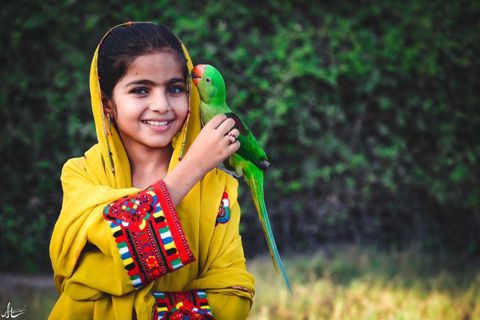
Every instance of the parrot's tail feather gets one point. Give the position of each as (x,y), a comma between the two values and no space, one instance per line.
(254,178)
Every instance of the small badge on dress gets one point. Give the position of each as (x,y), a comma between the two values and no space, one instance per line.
(224,210)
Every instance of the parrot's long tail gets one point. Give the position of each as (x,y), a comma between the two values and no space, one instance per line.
(254,178)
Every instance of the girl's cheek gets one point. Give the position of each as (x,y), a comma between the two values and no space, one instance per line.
(180,103)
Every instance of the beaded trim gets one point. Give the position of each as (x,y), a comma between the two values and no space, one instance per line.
(148,234)
(223,215)
(181,305)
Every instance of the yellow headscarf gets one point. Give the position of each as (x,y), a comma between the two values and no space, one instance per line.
(88,270)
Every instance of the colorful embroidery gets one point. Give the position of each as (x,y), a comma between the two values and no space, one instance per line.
(223,215)
(148,234)
(181,305)
(132,212)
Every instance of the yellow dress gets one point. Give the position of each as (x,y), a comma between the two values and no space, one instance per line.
(91,270)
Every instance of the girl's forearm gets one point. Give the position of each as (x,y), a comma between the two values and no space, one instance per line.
(181,179)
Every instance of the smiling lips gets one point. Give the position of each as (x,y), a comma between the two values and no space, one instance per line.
(158,125)
(157,122)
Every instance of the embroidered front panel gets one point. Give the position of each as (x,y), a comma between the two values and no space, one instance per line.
(181,305)
(148,234)
(223,215)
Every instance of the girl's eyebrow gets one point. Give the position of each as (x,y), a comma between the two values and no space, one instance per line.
(153,83)
(175,80)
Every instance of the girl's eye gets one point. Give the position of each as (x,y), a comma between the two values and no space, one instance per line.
(176,89)
(139,91)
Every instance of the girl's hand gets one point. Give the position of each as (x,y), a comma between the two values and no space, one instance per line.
(213,145)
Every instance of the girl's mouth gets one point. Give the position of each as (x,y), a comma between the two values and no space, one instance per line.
(158,126)
(157,123)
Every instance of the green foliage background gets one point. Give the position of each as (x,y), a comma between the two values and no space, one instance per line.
(369,111)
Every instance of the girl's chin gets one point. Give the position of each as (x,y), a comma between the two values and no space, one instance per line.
(158,144)
(150,139)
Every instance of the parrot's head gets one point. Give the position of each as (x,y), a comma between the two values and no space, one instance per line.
(209,82)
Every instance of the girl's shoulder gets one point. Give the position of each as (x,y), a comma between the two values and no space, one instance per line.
(94,154)
(218,181)
(218,196)
(86,166)
(220,177)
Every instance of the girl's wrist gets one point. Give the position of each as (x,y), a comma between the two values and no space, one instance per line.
(192,169)
(182,179)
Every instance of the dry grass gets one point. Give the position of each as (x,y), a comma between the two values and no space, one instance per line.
(353,283)
(37,293)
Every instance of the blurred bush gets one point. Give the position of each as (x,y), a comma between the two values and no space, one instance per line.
(369,112)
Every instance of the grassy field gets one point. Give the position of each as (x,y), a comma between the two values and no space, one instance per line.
(340,283)
(353,283)
(37,293)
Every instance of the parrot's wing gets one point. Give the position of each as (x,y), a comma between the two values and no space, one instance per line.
(249,149)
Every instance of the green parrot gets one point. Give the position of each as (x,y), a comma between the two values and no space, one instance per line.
(250,160)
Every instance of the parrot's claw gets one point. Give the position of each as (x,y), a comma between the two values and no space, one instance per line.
(230,172)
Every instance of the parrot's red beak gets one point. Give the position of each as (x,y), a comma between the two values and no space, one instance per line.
(197,73)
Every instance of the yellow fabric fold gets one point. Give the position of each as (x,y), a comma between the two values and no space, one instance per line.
(88,271)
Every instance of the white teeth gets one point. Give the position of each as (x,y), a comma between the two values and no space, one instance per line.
(157,123)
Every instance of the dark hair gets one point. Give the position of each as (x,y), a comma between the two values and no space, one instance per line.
(126,42)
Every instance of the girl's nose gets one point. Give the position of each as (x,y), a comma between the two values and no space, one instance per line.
(160,103)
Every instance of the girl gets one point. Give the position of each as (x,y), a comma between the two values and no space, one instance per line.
(144,230)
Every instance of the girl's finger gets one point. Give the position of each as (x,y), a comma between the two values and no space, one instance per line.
(216,121)
(226,126)
(233,147)
(234,132)
(231,137)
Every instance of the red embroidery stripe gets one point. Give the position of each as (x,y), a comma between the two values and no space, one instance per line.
(133,225)
(186,255)
(181,305)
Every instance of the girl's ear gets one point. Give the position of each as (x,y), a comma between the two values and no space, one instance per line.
(108,107)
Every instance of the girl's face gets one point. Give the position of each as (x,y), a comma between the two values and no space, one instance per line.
(150,102)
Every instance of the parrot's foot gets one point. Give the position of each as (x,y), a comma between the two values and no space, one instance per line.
(230,172)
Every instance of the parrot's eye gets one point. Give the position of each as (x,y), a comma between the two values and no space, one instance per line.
(208,79)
